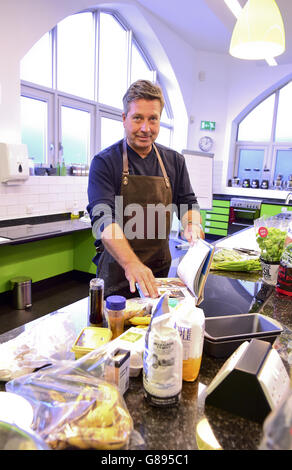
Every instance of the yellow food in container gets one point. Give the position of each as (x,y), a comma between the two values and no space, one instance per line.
(90,338)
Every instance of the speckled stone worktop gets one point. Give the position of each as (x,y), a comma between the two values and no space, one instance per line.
(175,428)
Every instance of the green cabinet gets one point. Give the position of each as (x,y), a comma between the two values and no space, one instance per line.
(215,221)
(273,209)
(47,258)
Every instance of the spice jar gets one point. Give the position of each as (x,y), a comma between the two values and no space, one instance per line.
(96,292)
(115,305)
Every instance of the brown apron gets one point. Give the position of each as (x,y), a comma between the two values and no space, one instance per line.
(151,243)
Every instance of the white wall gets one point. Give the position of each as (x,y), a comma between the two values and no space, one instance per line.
(229,85)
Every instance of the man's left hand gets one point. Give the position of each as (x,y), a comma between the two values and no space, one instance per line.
(193,232)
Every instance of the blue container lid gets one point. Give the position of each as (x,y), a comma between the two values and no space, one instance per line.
(115,302)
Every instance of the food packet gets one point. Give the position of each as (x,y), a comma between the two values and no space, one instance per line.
(136,307)
(74,409)
(189,320)
(162,359)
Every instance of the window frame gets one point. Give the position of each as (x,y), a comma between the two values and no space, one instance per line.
(56,98)
(270,147)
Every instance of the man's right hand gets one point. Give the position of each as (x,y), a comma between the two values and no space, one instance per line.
(118,246)
(137,272)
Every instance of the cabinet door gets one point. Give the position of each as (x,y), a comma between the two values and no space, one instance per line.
(273,209)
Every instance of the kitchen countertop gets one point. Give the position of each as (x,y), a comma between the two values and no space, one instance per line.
(23,233)
(255,195)
(175,428)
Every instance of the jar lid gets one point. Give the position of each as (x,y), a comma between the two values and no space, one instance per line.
(116,302)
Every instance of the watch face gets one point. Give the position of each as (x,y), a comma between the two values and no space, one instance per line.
(205,143)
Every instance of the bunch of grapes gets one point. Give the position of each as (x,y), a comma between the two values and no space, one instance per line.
(272,246)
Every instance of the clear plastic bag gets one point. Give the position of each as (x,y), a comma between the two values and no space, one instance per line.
(75,409)
(277,427)
(49,340)
(270,236)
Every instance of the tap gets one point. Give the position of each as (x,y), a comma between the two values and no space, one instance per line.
(288,198)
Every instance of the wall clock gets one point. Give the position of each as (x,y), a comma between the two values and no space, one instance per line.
(205,143)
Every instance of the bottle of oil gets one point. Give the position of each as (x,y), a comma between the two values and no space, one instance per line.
(96,302)
(75,212)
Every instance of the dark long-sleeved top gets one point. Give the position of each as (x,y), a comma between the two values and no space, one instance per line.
(105,178)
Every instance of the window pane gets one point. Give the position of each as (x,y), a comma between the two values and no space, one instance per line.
(257,125)
(34,127)
(76,55)
(283,164)
(36,65)
(140,69)
(113,61)
(284,117)
(75,135)
(164,136)
(250,159)
(111,132)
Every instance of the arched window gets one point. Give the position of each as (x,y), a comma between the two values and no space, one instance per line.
(264,141)
(72,83)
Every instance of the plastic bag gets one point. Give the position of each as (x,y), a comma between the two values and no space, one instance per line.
(74,409)
(277,427)
(136,307)
(49,340)
(189,320)
(284,281)
(270,236)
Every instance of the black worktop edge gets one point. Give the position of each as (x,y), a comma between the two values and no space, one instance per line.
(228,197)
(40,219)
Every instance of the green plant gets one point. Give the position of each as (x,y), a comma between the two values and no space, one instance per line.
(271,244)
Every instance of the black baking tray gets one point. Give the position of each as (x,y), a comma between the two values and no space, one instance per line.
(223,335)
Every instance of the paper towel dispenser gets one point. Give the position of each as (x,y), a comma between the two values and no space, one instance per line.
(14,165)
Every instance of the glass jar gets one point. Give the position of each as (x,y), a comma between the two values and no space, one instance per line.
(115,305)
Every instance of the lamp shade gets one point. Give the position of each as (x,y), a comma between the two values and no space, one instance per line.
(259,31)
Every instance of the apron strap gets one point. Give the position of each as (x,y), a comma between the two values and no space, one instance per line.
(167,184)
(125,163)
(126,166)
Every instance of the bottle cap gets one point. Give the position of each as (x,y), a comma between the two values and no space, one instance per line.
(115,302)
(96,283)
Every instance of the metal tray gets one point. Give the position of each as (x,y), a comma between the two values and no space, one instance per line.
(225,334)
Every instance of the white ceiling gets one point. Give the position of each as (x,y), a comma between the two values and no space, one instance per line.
(207,25)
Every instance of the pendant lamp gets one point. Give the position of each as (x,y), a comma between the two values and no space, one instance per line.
(259,31)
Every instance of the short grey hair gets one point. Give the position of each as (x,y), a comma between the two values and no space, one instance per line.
(142,89)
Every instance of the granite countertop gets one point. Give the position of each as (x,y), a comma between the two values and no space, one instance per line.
(39,230)
(175,428)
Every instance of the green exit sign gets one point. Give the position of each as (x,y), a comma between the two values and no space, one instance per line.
(208,125)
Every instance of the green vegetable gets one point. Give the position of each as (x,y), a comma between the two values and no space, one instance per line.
(230,260)
(272,245)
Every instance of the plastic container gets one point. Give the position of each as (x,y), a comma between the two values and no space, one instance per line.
(115,305)
(90,338)
(223,335)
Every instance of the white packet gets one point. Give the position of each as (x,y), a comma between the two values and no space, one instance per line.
(189,320)
(162,359)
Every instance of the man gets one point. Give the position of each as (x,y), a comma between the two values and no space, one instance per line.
(136,173)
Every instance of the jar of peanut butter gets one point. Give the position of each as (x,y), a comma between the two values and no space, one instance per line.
(115,305)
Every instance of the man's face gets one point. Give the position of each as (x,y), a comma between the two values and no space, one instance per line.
(142,124)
